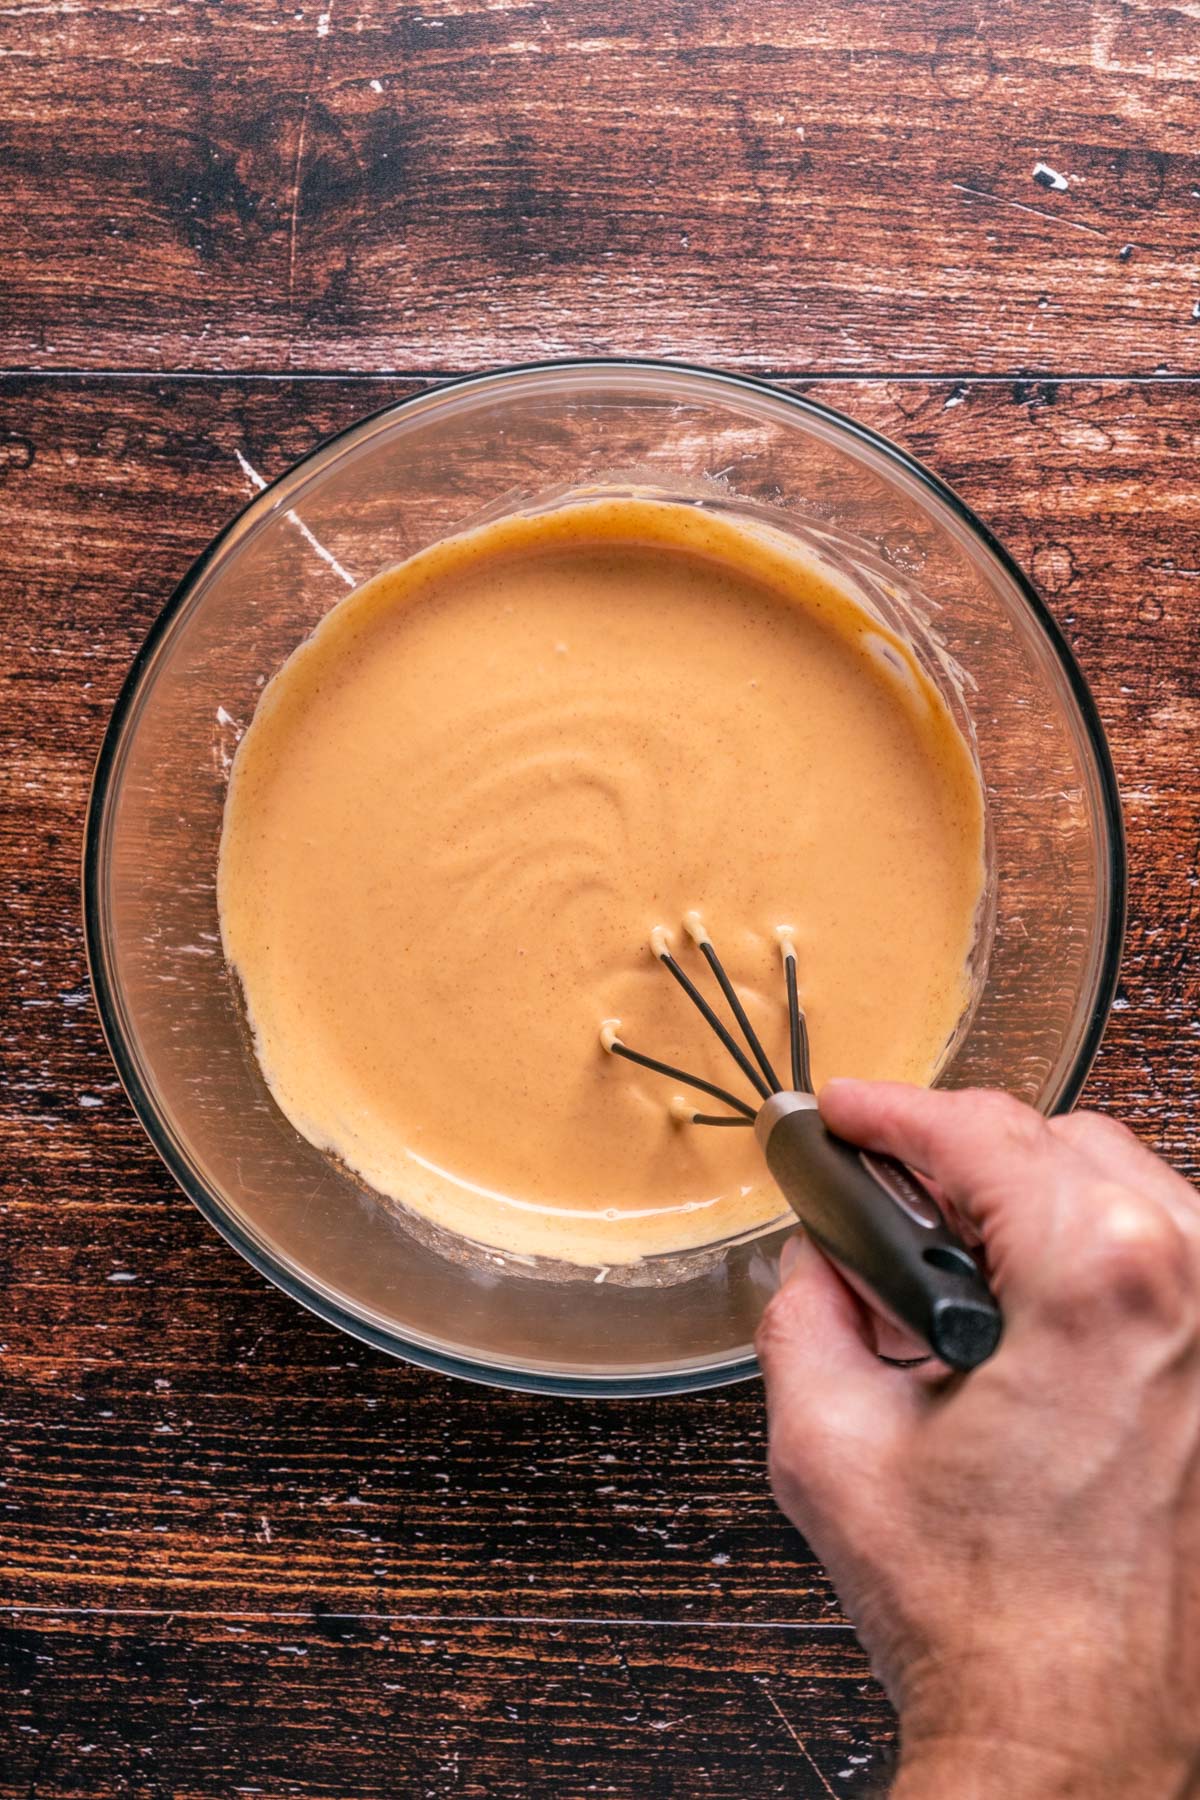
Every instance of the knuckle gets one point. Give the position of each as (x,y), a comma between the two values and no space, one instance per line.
(1135,1262)
(1094,1131)
(990,1100)
(1004,1115)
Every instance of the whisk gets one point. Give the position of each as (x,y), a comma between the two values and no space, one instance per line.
(865,1211)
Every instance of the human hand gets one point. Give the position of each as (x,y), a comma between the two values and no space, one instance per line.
(1019,1548)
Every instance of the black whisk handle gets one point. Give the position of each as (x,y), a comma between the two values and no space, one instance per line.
(869,1215)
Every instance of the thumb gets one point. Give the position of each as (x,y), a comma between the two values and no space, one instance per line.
(831,1404)
(816,1341)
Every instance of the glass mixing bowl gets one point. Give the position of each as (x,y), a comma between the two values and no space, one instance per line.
(1050,934)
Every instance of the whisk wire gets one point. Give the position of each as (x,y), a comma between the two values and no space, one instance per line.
(726,1036)
(616,1048)
(705,946)
(797,1026)
(689,1115)
(740,1113)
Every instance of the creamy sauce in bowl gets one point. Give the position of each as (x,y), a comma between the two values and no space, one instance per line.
(464,804)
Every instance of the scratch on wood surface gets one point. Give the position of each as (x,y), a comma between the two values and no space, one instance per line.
(291,273)
(258,482)
(324,24)
(801,1746)
(1020,206)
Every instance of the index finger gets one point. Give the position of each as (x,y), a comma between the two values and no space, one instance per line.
(997,1162)
(1071,1246)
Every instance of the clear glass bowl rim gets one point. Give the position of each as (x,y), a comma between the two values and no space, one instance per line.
(125,709)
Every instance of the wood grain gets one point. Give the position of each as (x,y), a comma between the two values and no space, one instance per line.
(241,1553)
(213,1503)
(444,186)
(328,1706)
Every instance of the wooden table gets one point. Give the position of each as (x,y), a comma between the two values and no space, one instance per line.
(242,1554)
